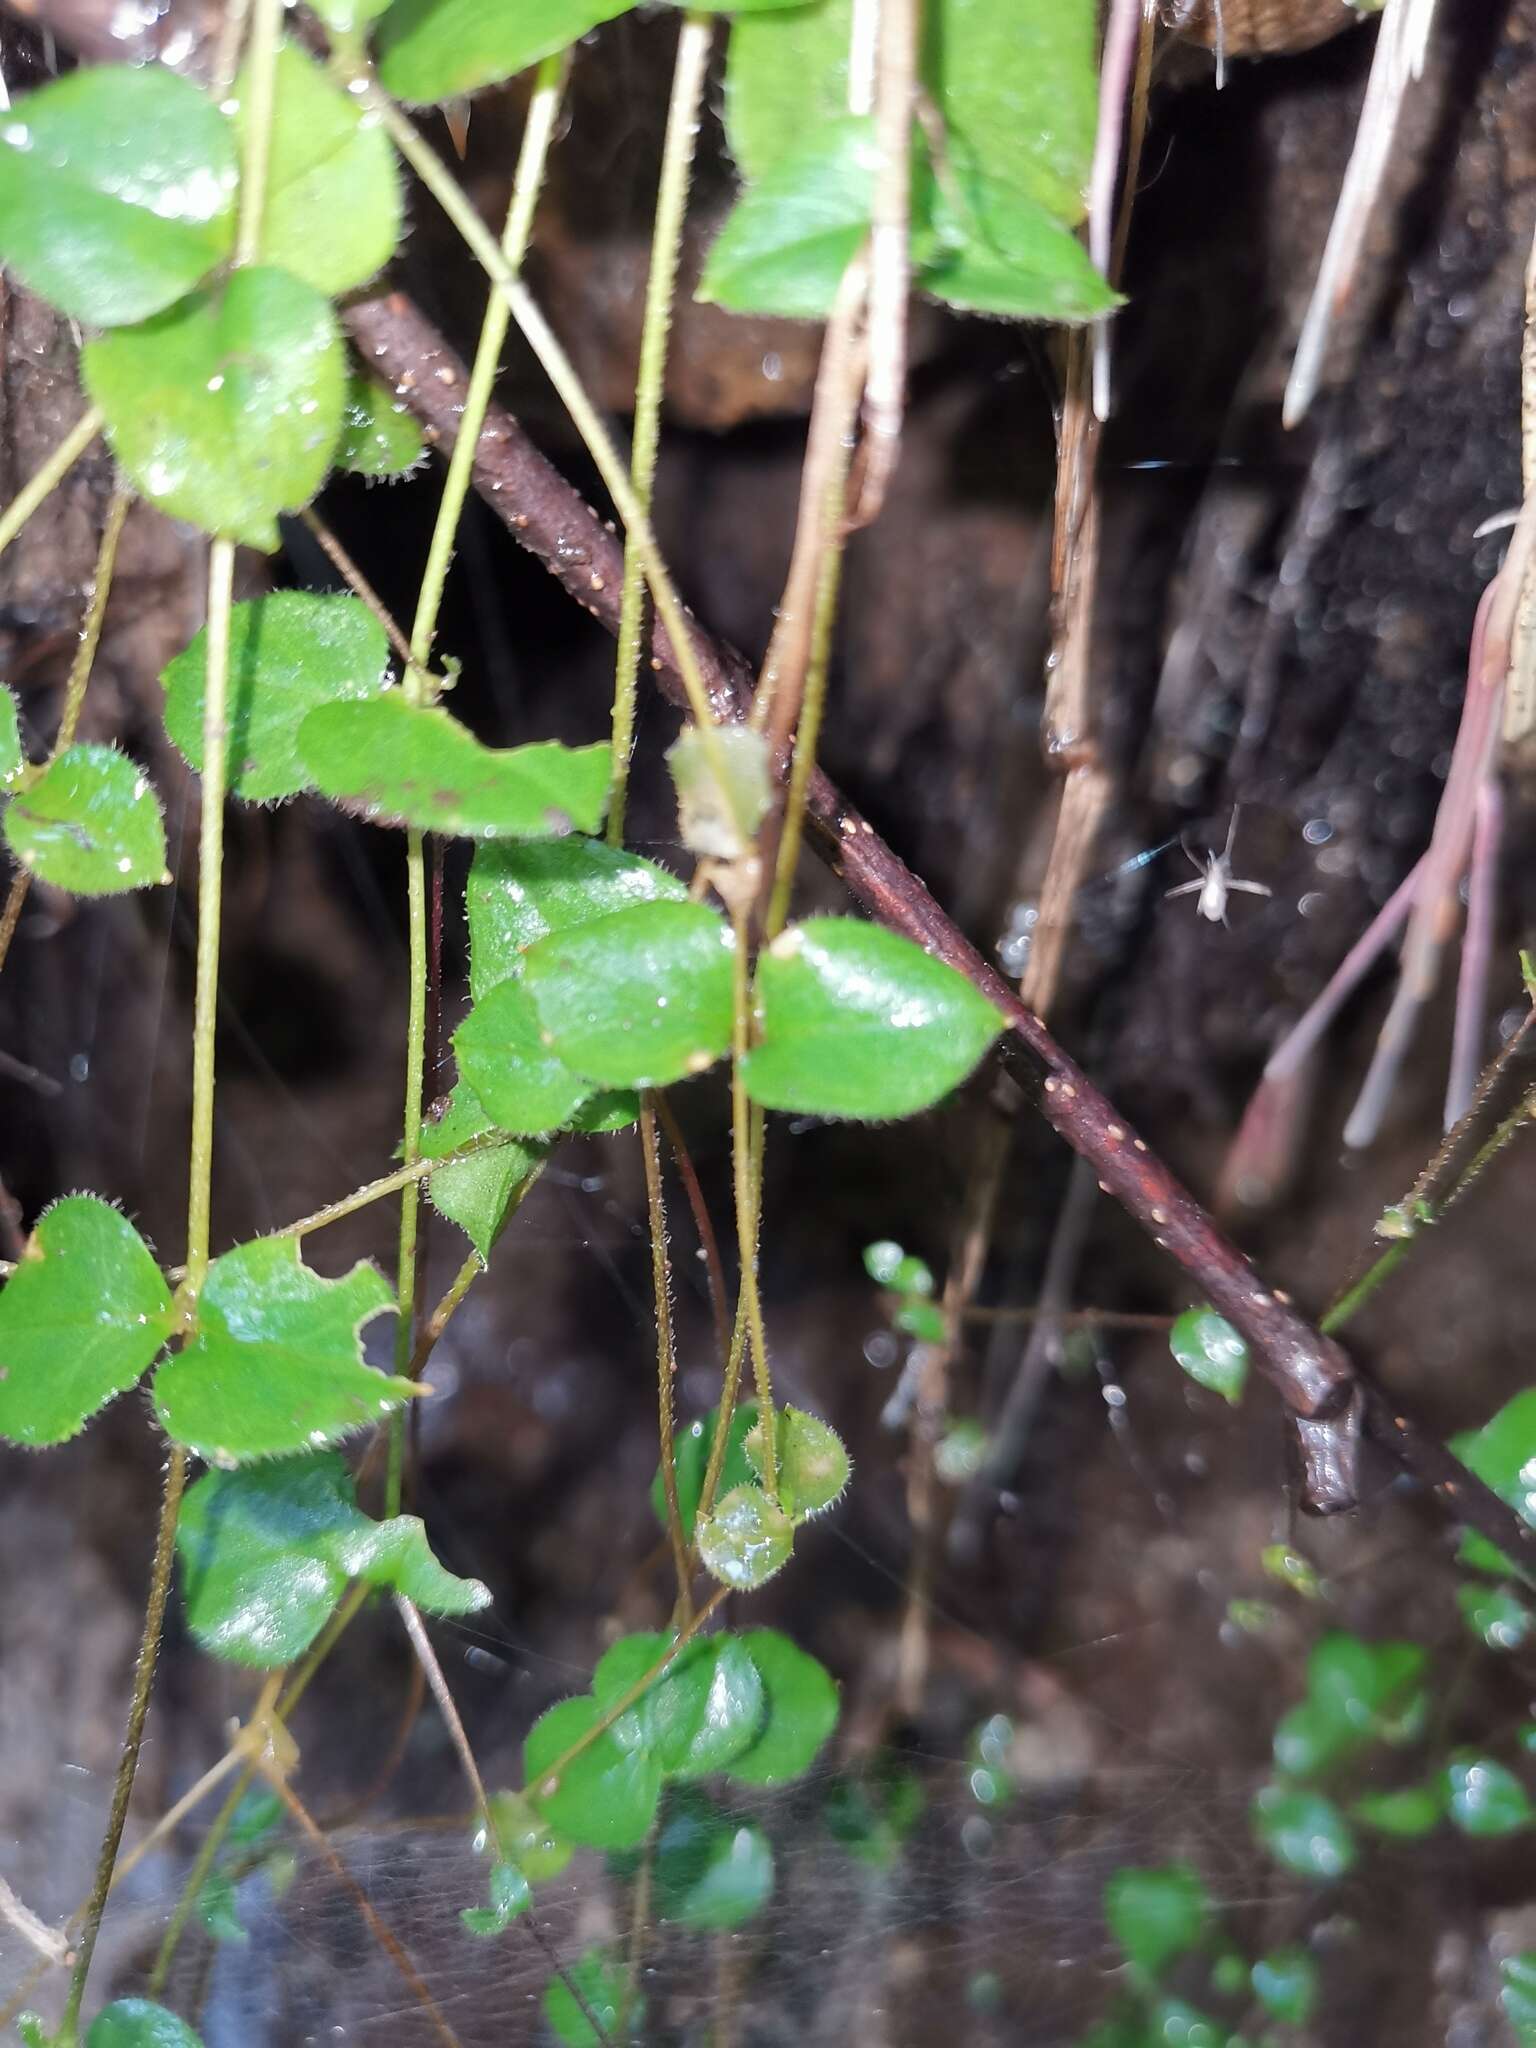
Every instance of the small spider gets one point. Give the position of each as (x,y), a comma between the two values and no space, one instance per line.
(1216,881)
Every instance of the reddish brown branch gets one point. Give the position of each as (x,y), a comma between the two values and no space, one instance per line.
(1325,1390)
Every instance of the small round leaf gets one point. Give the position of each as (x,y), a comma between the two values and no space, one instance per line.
(800,1712)
(436,49)
(1210,1351)
(638,999)
(1304,1831)
(379,437)
(711,1872)
(480,1193)
(1157,1915)
(1285,1984)
(746,1540)
(855,1021)
(136,2023)
(606,1795)
(518,1081)
(1485,1797)
(89,824)
(813,1464)
(691,1447)
(521,890)
(603,1985)
(225,410)
(117,191)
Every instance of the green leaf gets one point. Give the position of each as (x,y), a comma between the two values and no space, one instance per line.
(521,890)
(690,1460)
(1285,1984)
(225,410)
(786,77)
(1496,1615)
(1175,2023)
(746,1540)
(1407,1813)
(857,1022)
(267,1552)
(436,49)
(991,1782)
(1008,255)
(276,1363)
(724,787)
(510,1894)
(405,764)
(1518,1995)
(1374,1689)
(90,824)
(117,191)
(609,1109)
(13,757)
(135,2023)
(259,1813)
(218,1909)
(794,231)
(1503,1455)
(637,999)
(331,214)
(379,437)
(1292,1570)
(1304,1831)
(1211,1352)
(603,1983)
(800,1711)
(813,1464)
(605,1796)
(81,1318)
(525,1838)
(288,653)
(1485,1798)
(345,18)
(711,1872)
(504,1057)
(889,1266)
(872,1811)
(1157,1915)
(478,1194)
(699,1714)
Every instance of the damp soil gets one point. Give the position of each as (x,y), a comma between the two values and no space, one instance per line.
(1282,622)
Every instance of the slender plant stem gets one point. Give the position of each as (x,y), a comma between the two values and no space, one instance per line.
(746,1204)
(49,476)
(356,581)
(709,1244)
(729,1390)
(392,1183)
(197,1877)
(221,579)
(128,1761)
(688,74)
(74,690)
(666,1349)
(426,1656)
(266,29)
(557,366)
(421,689)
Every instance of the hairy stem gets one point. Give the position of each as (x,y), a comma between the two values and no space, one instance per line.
(49,476)
(666,1349)
(746,1182)
(693,43)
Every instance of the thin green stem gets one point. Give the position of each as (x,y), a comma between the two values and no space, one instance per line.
(128,1761)
(688,75)
(745,1183)
(221,584)
(52,473)
(197,1877)
(730,1387)
(666,1349)
(391,1184)
(74,690)
(419,688)
(261,96)
(559,369)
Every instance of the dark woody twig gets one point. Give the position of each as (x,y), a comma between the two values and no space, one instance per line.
(1328,1395)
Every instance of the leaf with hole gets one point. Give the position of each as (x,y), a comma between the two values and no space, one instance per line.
(813,1463)
(408,764)
(117,191)
(136,2023)
(268,1551)
(800,1711)
(702,1711)
(1210,1351)
(602,1983)
(81,1319)
(225,410)
(521,890)
(331,211)
(13,757)
(436,49)
(1484,1797)
(1304,1831)
(712,1871)
(604,1797)
(288,652)
(379,437)
(504,1057)
(481,1193)
(275,1365)
(854,1021)
(638,999)
(510,1894)
(1157,1915)
(794,231)
(691,1447)
(746,1539)
(90,823)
